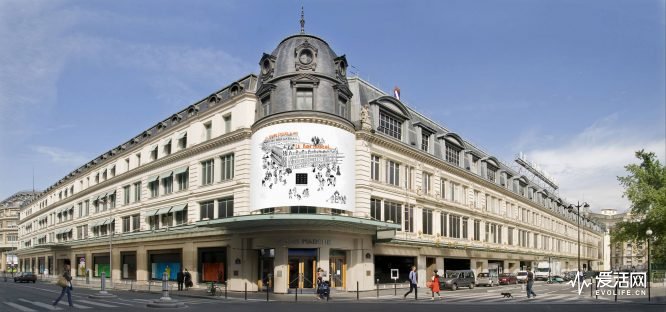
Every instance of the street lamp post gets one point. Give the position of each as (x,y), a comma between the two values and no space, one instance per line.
(649,235)
(570,209)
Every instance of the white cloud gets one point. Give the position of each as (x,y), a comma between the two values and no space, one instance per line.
(60,156)
(588,165)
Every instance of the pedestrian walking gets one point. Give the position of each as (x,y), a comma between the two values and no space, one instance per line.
(530,283)
(188,279)
(413,280)
(180,278)
(434,286)
(65,281)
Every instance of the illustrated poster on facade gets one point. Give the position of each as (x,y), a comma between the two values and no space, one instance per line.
(302,164)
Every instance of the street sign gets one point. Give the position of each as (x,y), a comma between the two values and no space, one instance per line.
(394,274)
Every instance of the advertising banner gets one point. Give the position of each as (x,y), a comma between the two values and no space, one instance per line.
(302,164)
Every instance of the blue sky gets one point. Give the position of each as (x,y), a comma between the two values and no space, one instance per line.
(576,85)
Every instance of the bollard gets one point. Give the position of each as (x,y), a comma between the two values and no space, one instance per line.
(591,286)
(616,284)
(245,291)
(87,277)
(357,298)
(225,290)
(103,285)
(377,288)
(267,293)
(103,294)
(149,283)
(296,295)
(131,285)
(165,287)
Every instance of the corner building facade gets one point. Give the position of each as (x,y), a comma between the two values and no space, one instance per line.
(299,168)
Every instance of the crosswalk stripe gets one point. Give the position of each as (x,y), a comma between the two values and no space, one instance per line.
(116,302)
(41,304)
(19,307)
(76,305)
(99,304)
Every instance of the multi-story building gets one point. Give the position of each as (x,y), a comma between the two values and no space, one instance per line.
(9,211)
(298,168)
(620,256)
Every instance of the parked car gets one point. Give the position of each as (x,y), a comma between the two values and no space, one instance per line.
(456,279)
(507,278)
(521,276)
(487,279)
(25,277)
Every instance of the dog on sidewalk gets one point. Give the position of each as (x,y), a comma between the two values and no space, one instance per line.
(506,295)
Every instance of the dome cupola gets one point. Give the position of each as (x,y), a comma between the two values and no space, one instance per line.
(303,74)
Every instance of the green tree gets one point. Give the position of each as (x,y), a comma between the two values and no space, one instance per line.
(645,187)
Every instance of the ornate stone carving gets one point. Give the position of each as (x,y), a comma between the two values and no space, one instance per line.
(267,65)
(305,56)
(341,68)
(365,118)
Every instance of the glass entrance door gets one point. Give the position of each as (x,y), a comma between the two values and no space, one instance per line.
(302,267)
(338,267)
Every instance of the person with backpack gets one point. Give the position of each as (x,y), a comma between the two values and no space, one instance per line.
(65,281)
(530,283)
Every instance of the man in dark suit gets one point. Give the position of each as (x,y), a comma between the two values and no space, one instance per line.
(180,278)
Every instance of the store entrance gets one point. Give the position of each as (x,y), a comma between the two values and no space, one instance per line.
(338,269)
(302,267)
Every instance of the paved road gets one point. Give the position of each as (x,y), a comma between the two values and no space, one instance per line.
(37,297)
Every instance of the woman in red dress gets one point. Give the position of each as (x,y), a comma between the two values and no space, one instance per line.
(435,286)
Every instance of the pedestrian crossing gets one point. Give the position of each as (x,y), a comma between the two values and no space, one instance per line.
(491,298)
(25,305)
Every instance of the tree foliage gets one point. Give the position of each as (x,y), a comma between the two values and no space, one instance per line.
(645,187)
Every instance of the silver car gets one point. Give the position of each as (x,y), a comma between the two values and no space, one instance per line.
(487,279)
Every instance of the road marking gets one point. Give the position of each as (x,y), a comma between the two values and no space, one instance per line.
(41,304)
(19,307)
(116,302)
(76,305)
(103,305)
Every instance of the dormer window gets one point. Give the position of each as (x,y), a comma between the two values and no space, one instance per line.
(266,105)
(425,140)
(342,107)
(491,172)
(390,125)
(453,154)
(304,98)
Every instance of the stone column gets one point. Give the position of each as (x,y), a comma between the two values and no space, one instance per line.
(142,264)
(281,270)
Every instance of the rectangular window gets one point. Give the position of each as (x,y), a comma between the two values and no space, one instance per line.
(227,123)
(452,192)
(86,208)
(225,207)
(135,223)
(393,212)
(167,184)
(182,142)
(390,125)
(154,188)
(427,177)
(126,195)
(376,209)
(453,154)
(443,220)
(510,236)
(266,105)
(153,154)
(301,179)
(138,159)
(374,168)
(409,218)
(208,130)
(182,179)
(427,221)
(409,172)
(137,192)
(304,98)
(477,230)
(126,224)
(454,226)
(465,228)
(227,167)
(207,210)
(112,201)
(167,148)
(392,173)
(181,217)
(425,141)
(491,173)
(207,172)
(342,106)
